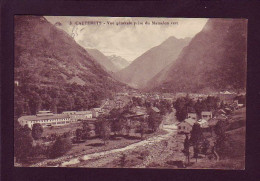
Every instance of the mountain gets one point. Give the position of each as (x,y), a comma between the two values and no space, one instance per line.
(119,62)
(103,60)
(142,69)
(53,71)
(214,60)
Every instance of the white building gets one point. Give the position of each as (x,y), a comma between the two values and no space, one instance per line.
(45,118)
(203,123)
(206,115)
(77,115)
(186,126)
(192,115)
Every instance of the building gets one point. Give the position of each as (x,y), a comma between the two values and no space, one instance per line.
(77,115)
(45,118)
(240,105)
(185,126)
(96,112)
(69,112)
(203,123)
(206,115)
(212,122)
(192,115)
(227,97)
(155,109)
(221,117)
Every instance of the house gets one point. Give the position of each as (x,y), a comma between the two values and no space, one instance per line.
(96,112)
(45,118)
(221,111)
(240,105)
(185,126)
(212,122)
(192,115)
(203,123)
(206,115)
(155,109)
(221,117)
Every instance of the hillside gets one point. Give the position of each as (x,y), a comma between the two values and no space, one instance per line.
(103,60)
(142,69)
(53,71)
(119,62)
(214,60)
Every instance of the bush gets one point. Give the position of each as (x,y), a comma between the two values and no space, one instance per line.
(22,143)
(144,154)
(37,131)
(60,147)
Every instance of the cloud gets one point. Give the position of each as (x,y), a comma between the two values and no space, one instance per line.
(126,40)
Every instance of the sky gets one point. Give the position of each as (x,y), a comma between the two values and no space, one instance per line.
(128,37)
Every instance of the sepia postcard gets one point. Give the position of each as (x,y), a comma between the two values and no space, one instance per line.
(130,92)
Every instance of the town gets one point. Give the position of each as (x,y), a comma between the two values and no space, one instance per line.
(105,96)
(182,121)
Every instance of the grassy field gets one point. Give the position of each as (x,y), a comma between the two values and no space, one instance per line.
(93,145)
(97,145)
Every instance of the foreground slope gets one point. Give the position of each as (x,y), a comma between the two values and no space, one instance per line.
(214,60)
(53,72)
(142,69)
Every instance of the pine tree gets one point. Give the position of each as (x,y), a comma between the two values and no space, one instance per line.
(196,137)
(187,148)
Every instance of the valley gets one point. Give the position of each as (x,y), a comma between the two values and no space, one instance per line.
(80,102)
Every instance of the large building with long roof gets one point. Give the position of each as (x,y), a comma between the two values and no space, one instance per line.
(45,118)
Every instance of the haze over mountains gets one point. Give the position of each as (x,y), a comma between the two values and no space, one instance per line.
(111,63)
(118,61)
(142,69)
(49,60)
(214,60)
(103,60)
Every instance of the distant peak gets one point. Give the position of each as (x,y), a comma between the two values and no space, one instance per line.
(172,38)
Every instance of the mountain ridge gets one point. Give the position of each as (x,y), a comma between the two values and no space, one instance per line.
(143,68)
(209,61)
(52,69)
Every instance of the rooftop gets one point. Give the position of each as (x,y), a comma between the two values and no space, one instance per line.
(155,109)
(97,109)
(36,118)
(206,113)
(190,121)
(213,122)
(83,112)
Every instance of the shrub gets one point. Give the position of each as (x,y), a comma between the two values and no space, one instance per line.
(22,143)
(37,131)
(60,147)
